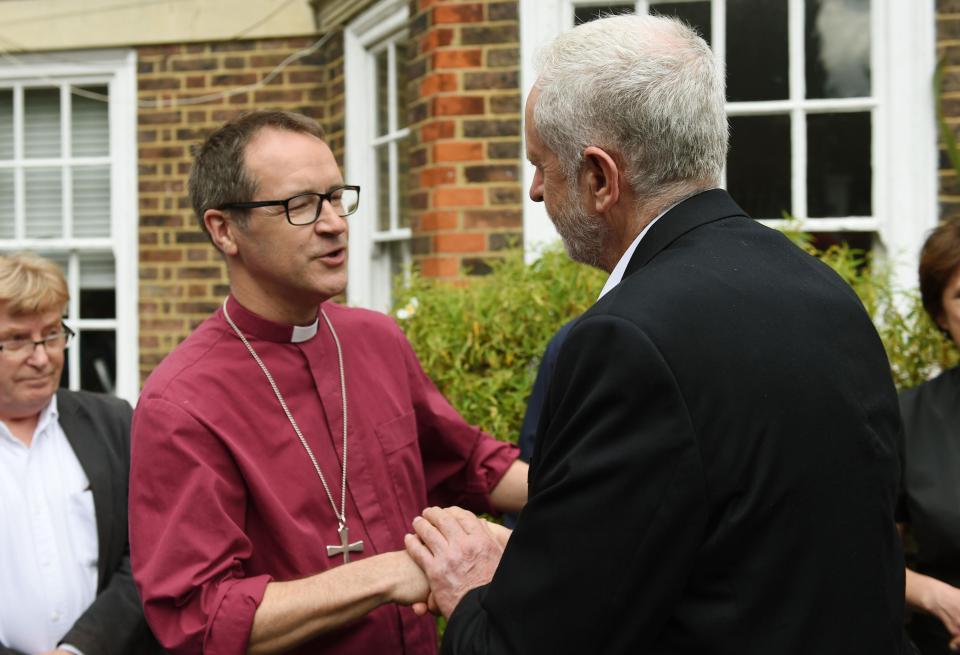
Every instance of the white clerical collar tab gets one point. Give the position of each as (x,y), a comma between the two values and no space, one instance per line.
(304,332)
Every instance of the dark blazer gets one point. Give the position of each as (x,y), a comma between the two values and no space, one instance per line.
(98,428)
(715,470)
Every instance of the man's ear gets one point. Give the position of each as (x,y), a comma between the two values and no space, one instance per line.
(602,176)
(221,230)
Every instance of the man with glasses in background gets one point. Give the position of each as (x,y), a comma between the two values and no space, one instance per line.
(65,582)
(282,450)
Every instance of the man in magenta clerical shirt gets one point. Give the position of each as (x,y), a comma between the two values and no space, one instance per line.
(281,451)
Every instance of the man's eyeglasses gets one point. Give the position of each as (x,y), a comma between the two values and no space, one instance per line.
(305,208)
(54,342)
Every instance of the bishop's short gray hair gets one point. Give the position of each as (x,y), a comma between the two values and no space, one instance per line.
(645,87)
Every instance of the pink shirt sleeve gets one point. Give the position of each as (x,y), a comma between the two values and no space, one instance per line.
(462,464)
(188,547)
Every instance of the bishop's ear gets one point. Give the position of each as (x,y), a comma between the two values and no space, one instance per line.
(602,178)
(221,230)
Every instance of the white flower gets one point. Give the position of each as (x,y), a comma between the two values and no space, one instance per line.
(408,310)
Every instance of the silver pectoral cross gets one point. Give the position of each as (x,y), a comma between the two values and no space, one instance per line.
(345,547)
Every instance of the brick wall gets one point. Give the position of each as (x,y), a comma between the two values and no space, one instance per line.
(466,193)
(948,51)
(182,277)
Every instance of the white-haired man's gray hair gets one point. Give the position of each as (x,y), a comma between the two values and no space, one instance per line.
(645,87)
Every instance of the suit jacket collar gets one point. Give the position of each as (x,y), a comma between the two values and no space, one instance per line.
(693,212)
(90,449)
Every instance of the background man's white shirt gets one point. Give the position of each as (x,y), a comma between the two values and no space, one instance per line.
(49,550)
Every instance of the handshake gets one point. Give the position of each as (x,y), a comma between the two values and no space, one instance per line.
(450,552)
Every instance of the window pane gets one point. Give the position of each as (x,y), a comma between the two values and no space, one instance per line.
(6,203)
(758,166)
(98,360)
(382,98)
(91,201)
(6,124)
(97,286)
(838,48)
(838,165)
(695,14)
(90,127)
(43,202)
(41,122)
(757,63)
(399,254)
(403,170)
(593,12)
(401,72)
(59,258)
(862,241)
(383,187)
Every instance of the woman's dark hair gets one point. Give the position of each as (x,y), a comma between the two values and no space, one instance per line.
(939,259)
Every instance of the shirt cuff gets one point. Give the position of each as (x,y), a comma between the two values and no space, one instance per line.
(70,648)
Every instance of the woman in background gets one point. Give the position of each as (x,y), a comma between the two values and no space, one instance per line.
(930,458)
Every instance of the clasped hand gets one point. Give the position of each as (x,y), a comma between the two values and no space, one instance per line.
(457,552)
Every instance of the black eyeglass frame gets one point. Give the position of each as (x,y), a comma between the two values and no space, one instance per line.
(30,345)
(328,196)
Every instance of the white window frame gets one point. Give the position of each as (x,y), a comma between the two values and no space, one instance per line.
(369,266)
(115,69)
(904,132)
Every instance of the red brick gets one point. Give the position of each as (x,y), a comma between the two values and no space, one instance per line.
(492,218)
(437,130)
(437,38)
(465,13)
(458,151)
(147,84)
(440,267)
(304,77)
(437,220)
(436,176)
(461,242)
(162,153)
(161,256)
(458,197)
(278,95)
(457,59)
(438,82)
(457,106)
(158,117)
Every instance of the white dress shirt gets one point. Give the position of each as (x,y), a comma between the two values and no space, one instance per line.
(48,549)
(617,273)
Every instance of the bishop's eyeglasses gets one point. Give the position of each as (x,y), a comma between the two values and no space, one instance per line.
(305,208)
(54,342)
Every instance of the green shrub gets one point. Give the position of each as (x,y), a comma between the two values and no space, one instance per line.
(481,341)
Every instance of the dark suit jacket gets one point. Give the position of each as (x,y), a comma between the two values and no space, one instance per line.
(716,467)
(98,428)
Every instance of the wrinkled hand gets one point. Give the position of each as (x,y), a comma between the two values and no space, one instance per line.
(456,550)
(945,605)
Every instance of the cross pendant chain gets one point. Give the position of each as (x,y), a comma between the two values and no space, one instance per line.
(345,547)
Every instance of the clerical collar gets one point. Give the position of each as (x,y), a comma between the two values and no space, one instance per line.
(268,330)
